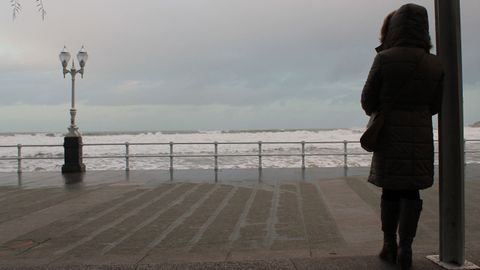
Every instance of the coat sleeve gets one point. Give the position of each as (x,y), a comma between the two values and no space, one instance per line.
(371,91)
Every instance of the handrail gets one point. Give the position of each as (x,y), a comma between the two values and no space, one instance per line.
(171,155)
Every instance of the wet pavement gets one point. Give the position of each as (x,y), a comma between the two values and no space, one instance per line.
(323,218)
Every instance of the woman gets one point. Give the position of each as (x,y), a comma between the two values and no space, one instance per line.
(407,79)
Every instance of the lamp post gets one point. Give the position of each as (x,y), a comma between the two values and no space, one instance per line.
(73,139)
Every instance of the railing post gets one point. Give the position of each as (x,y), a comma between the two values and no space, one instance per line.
(127,157)
(260,155)
(215,155)
(19,158)
(171,156)
(345,158)
(464,152)
(303,154)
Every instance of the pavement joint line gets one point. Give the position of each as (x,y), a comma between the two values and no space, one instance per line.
(117,221)
(377,193)
(110,246)
(302,216)
(179,221)
(210,220)
(147,221)
(273,219)
(340,209)
(103,213)
(362,186)
(32,247)
(41,218)
(235,235)
(330,215)
(50,198)
(137,264)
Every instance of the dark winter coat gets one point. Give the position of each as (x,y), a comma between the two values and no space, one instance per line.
(405,159)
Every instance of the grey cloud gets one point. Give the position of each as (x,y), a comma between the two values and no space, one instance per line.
(32,88)
(210,56)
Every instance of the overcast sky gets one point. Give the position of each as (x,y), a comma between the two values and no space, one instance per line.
(202,64)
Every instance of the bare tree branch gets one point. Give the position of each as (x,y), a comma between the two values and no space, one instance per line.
(41,9)
(17,7)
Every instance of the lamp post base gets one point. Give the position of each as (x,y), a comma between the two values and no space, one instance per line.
(73,155)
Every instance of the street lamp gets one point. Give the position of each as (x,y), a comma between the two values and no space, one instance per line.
(73,139)
(82,57)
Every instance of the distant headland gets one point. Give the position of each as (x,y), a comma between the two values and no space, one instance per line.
(476,124)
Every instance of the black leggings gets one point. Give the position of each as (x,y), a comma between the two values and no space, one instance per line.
(394,195)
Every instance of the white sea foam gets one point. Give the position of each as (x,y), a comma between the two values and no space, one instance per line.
(336,160)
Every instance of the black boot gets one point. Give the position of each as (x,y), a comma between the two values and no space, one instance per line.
(409,216)
(389,214)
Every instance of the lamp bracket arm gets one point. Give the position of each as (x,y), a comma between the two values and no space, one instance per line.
(65,72)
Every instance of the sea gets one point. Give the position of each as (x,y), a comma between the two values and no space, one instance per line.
(329,144)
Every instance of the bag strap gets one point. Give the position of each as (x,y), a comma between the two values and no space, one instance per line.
(390,105)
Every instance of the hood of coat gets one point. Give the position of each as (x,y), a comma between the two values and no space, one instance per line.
(409,28)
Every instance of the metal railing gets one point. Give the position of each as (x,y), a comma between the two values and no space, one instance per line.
(216,155)
(19,158)
(127,156)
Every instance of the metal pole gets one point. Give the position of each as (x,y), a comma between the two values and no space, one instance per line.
(452,215)
(171,156)
(19,158)
(345,158)
(303,154)
(73,129)
(260,155)
(127,157)
(73,73)
(73,111)
(216,156)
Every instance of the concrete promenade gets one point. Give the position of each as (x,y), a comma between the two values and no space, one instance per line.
(238,219)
